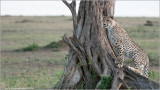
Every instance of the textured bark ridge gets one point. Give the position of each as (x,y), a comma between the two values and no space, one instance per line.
(91,57)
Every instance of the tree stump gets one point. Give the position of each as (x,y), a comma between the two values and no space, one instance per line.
(91,57)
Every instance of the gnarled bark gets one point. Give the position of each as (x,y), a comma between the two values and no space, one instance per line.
(91,56)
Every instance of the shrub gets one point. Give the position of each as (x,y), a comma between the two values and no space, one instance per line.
(30,47)
(105,83)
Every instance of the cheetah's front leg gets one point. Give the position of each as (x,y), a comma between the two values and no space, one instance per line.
(135,70)
(120,57)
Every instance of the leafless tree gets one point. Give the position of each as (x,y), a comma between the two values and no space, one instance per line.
(91,57)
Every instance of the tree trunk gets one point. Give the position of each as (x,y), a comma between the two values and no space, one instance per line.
(91,57)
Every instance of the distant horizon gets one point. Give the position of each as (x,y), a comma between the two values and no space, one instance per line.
(67,16)
(58,8)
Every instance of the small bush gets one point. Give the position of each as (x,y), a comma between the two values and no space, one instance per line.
(82,85)
(24,21)
(30,47)
(66,57)
(55,49)
(106,82)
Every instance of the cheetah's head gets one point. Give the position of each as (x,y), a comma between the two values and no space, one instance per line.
(107,21)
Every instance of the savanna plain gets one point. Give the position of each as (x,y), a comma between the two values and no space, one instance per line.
(33,54)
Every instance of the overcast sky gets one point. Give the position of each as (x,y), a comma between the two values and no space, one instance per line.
(42,8)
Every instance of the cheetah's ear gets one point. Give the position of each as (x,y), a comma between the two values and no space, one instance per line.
(104,17)
(112,17)
(109,17)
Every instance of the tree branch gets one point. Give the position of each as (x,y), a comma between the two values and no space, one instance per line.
(76,46)
(109,6)
(135,80)
(72,7)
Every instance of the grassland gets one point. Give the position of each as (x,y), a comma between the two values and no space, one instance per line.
(41,68)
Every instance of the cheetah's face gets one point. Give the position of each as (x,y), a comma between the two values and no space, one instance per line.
(107,21)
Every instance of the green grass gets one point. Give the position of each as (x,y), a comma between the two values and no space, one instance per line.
(35,72)
(154,75)
(40,78)
(43,68)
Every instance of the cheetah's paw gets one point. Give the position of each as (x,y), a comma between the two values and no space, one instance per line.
(133,69)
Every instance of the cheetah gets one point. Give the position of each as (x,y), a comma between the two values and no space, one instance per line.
(125,46)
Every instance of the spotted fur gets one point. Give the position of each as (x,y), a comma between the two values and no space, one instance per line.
(125,46)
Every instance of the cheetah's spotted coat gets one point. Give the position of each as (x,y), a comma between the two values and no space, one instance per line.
(125,46)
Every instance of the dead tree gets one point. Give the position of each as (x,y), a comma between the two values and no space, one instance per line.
(91,57)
